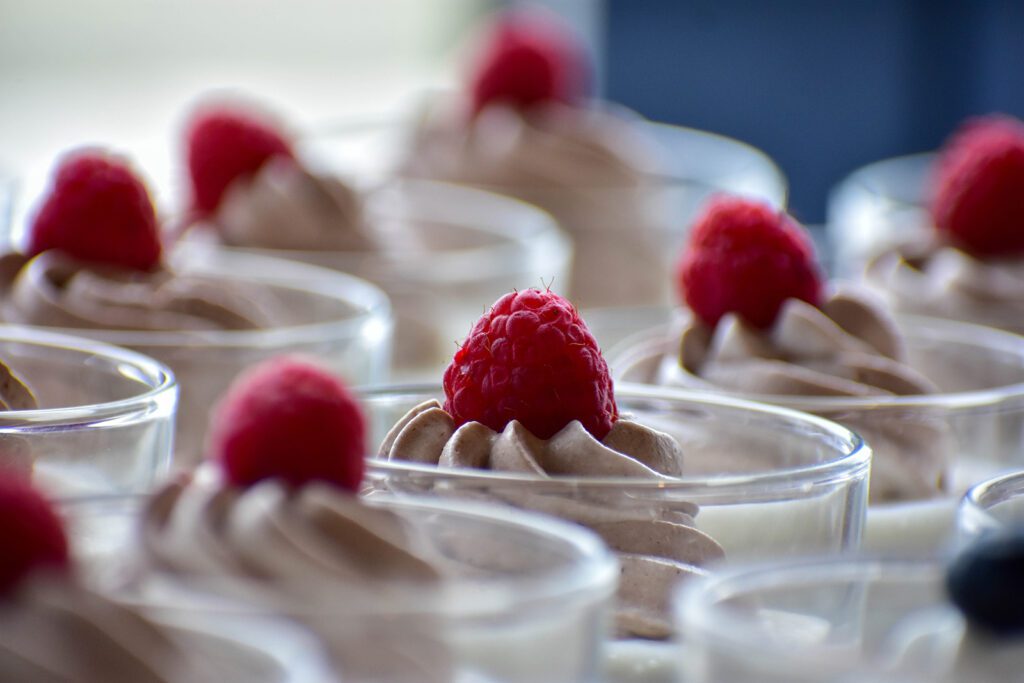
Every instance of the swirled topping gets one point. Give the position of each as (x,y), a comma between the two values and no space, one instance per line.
(848,347)
(552,147)
(55,290)
(56,630)
(268,532)
(936,279)
(656,545)
(284,206)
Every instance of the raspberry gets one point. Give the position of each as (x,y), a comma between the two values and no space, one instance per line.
(31,534)
(226,143)
(98,210)
(979,182)
(529,58)
(289,419)
(531,358)
(747,258)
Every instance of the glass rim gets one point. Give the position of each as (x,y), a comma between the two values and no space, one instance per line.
(854,460)
(591,571)
(861,177)
(753,154)
(960,401)
(545,237)
(973,512)
(697,604)
(374,307)
(160,380)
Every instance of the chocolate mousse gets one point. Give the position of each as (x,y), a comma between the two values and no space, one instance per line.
(970,267)
(589,166)
(763,325)
(528,393)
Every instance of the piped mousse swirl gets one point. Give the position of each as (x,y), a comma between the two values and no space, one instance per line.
(507,409)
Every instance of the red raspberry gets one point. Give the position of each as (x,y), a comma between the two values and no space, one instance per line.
(289,419)
(529,58)
(747,258)
(531,358)
(31,534)
(98,210)
(979,198)
(226,143)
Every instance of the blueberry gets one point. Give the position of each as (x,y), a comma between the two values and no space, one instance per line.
(987,583)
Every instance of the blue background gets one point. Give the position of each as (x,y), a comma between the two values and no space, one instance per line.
(823,87)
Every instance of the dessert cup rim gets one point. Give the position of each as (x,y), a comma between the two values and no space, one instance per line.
(330,128)
(591,574)
(374,306)
(860,178)
(854,461)
(546,237)
(159,378)
(627,353)
(973,509)
(696,604)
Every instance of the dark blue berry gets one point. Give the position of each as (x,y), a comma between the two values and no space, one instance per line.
(987,583)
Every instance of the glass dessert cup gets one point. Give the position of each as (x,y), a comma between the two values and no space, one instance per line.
(625,239)
(472,248)
(105,421)
(991,506)
(523,598)
(349,332)
(980,372)
(821,621)
(241,640)
(875,208)
(767,482)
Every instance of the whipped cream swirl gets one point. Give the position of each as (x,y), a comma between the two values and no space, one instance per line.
(268,532)
(591,169)
(53,629)
(931,278)
(285,206)
(55,290)
(848,347)
(305,545)
(656,541)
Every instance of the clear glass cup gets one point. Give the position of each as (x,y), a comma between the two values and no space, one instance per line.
(979,414)
(991,506)
(625,239)
(875,208)
(480,246)
(524,597)
(105,419)
(836,620)
(350,333)
(240,639)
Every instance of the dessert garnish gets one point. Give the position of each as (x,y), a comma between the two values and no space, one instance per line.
(531,358)
(979,187)
(529,58)
(224,143)
(291,420)
(747,258)
(31,534)
(97,211)
(984,582)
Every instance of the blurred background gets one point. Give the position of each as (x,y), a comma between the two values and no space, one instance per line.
(822,87)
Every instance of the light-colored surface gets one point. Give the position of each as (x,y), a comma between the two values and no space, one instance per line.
(121,72)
